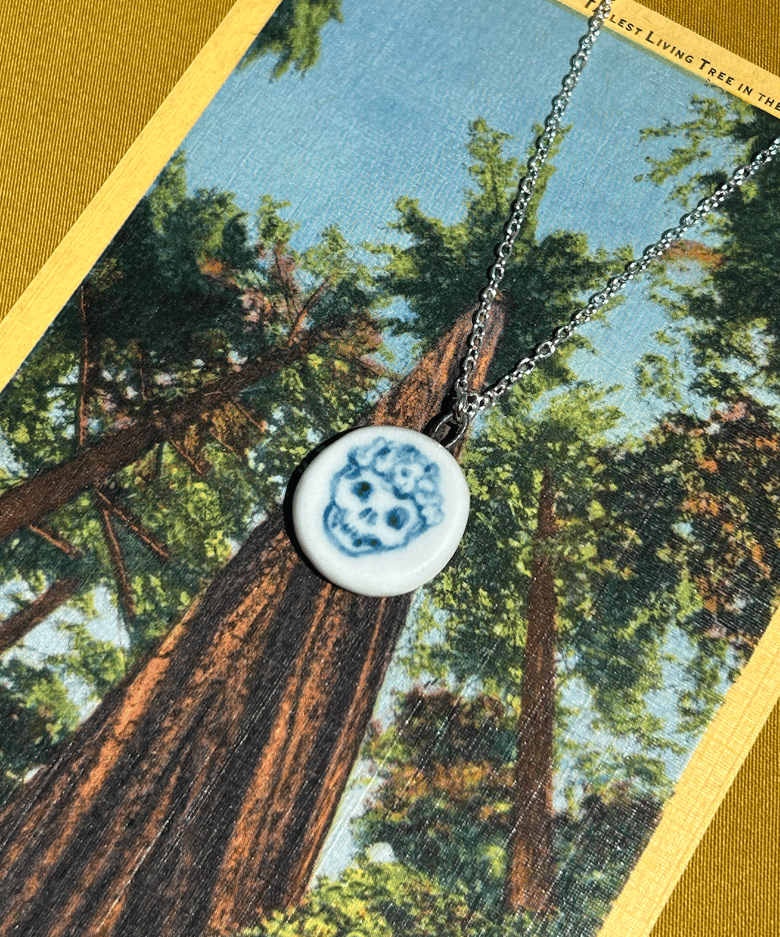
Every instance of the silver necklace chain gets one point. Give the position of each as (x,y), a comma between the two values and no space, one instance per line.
(468,401)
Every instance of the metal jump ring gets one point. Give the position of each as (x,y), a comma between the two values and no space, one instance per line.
(441,424)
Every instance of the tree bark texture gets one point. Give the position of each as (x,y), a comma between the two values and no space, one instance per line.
(201,790)
(530,875)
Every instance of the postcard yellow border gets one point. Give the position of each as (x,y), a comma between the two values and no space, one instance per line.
(80,248)
(702,788)
(687,50)
(749,703)
(747,28)
(732,885)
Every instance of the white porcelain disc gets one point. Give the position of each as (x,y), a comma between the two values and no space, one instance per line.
(381,510)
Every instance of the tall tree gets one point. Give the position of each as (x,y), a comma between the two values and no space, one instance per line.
(543,285)
(200,792)
(531,865)
(521,585)
(145,428)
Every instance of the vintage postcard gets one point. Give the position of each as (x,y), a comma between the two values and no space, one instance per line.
(200,734)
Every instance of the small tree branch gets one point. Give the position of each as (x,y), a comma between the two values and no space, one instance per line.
(51,536)
(303,315)
(372,368)
(142,370)
(117,561)
(134,524)
(282,273)
(250,417)
(21,623)
(199,466)
(225,444)
(84,368)
(114,549)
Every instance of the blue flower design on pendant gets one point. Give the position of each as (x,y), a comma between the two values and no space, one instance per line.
(386,495)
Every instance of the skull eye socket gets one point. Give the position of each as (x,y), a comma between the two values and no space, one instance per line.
(397,518)
(361,489)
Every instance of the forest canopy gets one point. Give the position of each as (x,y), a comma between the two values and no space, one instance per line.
(147,446)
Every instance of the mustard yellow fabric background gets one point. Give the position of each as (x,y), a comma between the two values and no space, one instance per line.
(746,27)
(81,78)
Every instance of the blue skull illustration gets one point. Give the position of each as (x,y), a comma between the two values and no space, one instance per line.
(386,495)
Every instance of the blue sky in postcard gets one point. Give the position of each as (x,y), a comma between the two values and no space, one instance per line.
(385,113)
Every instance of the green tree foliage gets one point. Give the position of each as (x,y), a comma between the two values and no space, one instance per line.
(728,314)
(444,806)
(445,798)
(380,900)
(36,713)
(721,297)
(479,605)
(597,846)
(655,536)
(443,267)
(188,303)
(648,546)
(663,538)
(293,34)
(700,504)
(471,634)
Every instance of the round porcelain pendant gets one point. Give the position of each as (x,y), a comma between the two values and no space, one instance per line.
(381,510)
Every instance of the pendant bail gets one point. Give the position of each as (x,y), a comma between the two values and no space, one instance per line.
(459,419)
(446,435)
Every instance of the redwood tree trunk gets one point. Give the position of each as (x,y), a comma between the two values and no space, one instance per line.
(201,790)
(530,876)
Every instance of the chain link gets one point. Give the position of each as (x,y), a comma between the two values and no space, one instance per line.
(469,402)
